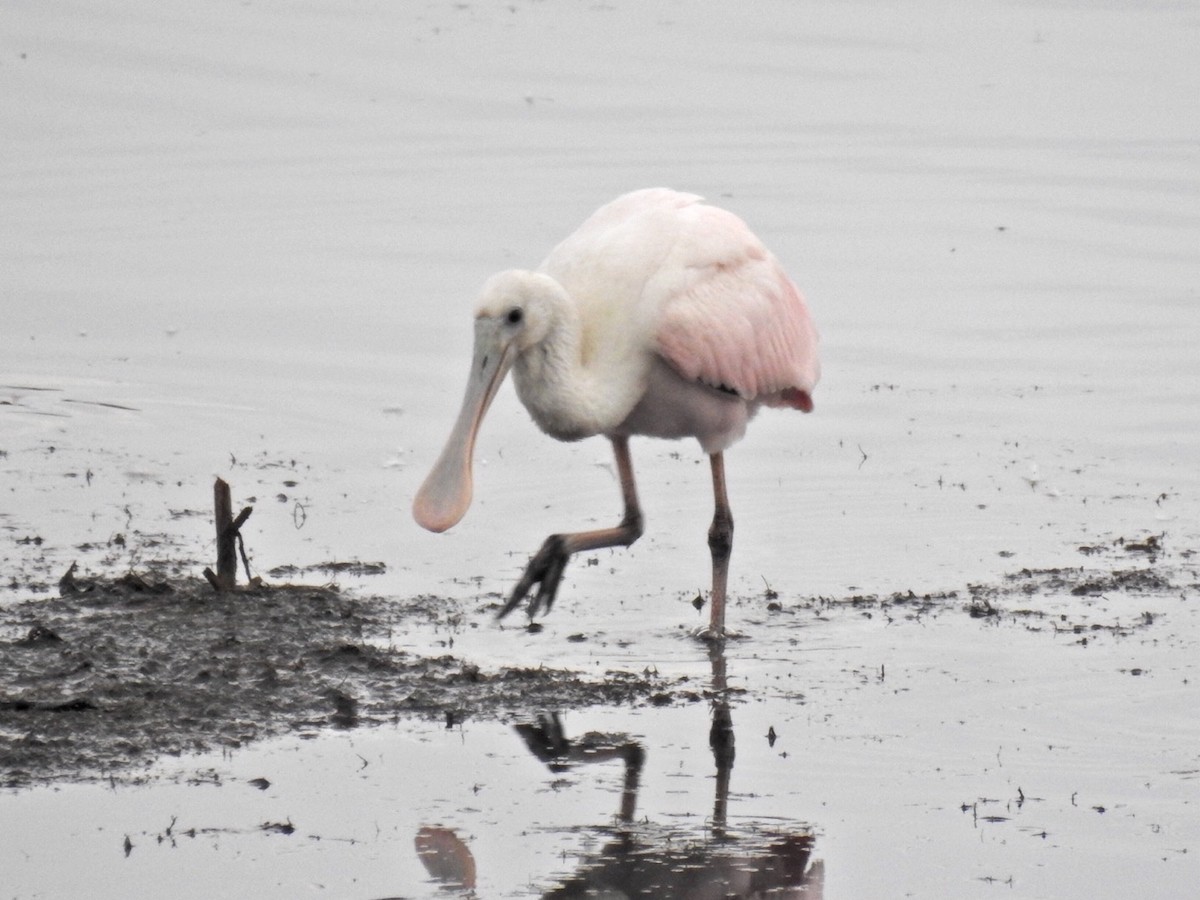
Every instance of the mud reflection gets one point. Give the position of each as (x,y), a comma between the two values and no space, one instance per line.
(641,859)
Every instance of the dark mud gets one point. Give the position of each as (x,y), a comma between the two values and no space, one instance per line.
(100,682)
(1114,593)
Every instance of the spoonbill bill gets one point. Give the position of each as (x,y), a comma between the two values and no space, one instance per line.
(660,316)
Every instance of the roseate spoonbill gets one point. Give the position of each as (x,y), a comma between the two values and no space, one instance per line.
(660,316)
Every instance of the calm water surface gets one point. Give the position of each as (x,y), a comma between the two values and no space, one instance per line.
(243,240)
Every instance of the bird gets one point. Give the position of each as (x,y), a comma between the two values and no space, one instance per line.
(662,316)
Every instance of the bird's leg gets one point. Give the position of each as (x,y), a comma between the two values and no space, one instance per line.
(720,543)
(546,568)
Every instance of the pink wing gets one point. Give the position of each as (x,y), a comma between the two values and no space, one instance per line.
(730,316)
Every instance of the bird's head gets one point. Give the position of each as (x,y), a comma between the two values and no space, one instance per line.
(515,312)
(524,303)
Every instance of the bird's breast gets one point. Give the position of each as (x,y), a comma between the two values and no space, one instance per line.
(570,401)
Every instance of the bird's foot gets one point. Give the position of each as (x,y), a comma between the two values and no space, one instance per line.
(545,570)
(714,636)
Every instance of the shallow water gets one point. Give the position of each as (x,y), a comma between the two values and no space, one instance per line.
(244,241)
(925,757)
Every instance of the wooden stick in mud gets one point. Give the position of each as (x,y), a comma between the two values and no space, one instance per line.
(225,578)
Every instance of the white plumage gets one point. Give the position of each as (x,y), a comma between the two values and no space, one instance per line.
(660,316)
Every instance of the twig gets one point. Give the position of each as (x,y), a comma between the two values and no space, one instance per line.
(229,539)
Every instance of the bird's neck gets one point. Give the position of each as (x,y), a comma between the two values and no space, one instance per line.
(569,397)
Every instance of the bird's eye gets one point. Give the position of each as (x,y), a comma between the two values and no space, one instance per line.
(515,315)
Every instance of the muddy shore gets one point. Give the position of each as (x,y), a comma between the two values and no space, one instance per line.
(98,683)
(114,673)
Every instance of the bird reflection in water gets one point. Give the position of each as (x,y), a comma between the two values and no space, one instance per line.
(644,860)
